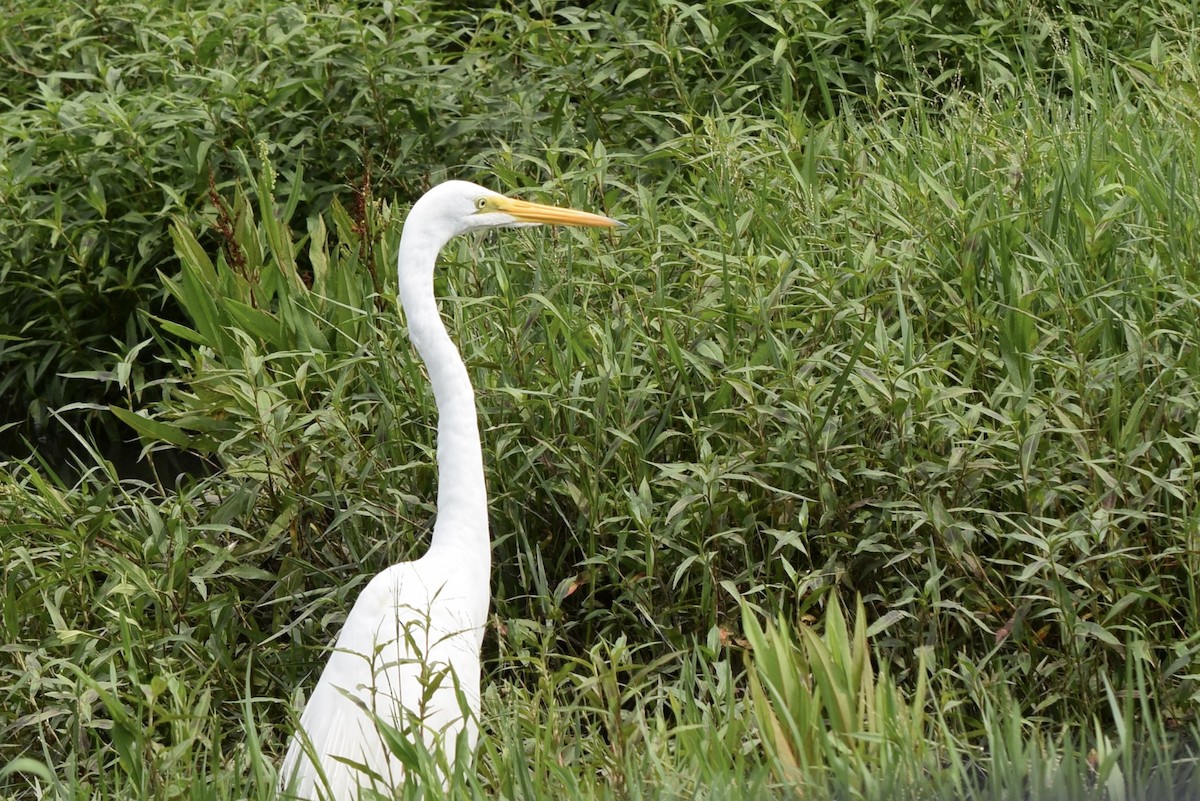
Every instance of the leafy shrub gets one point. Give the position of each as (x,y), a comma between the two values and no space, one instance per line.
(935,348)
(105,136)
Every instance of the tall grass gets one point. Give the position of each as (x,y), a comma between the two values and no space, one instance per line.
(905,311)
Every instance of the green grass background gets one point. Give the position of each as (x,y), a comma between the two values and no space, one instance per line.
(906,312)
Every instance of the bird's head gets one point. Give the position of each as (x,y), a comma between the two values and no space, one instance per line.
(455,207)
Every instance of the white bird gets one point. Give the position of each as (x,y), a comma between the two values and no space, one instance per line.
(409,650)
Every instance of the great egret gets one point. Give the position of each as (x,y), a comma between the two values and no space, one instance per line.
(409,650)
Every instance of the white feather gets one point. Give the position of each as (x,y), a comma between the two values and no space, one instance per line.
(408,653)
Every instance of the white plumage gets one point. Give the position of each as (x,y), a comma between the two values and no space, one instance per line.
(409,650)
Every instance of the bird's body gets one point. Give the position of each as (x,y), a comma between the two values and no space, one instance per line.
(409,650)
(409,647)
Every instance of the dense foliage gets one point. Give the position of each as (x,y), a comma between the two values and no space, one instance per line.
(905,311)
(118,115)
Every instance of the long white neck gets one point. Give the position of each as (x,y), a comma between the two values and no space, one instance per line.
(461,526)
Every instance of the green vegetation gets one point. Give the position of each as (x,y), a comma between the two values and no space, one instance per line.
(906,313)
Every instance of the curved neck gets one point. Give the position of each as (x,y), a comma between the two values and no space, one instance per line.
(462,496)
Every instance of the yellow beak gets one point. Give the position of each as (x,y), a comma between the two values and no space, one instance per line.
(525,211)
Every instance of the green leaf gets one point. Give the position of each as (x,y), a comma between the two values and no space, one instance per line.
(30,766)
(199,301)
(188,249)
(151,429)
(261,325)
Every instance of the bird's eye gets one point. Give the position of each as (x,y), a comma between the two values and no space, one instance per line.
(481,204)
